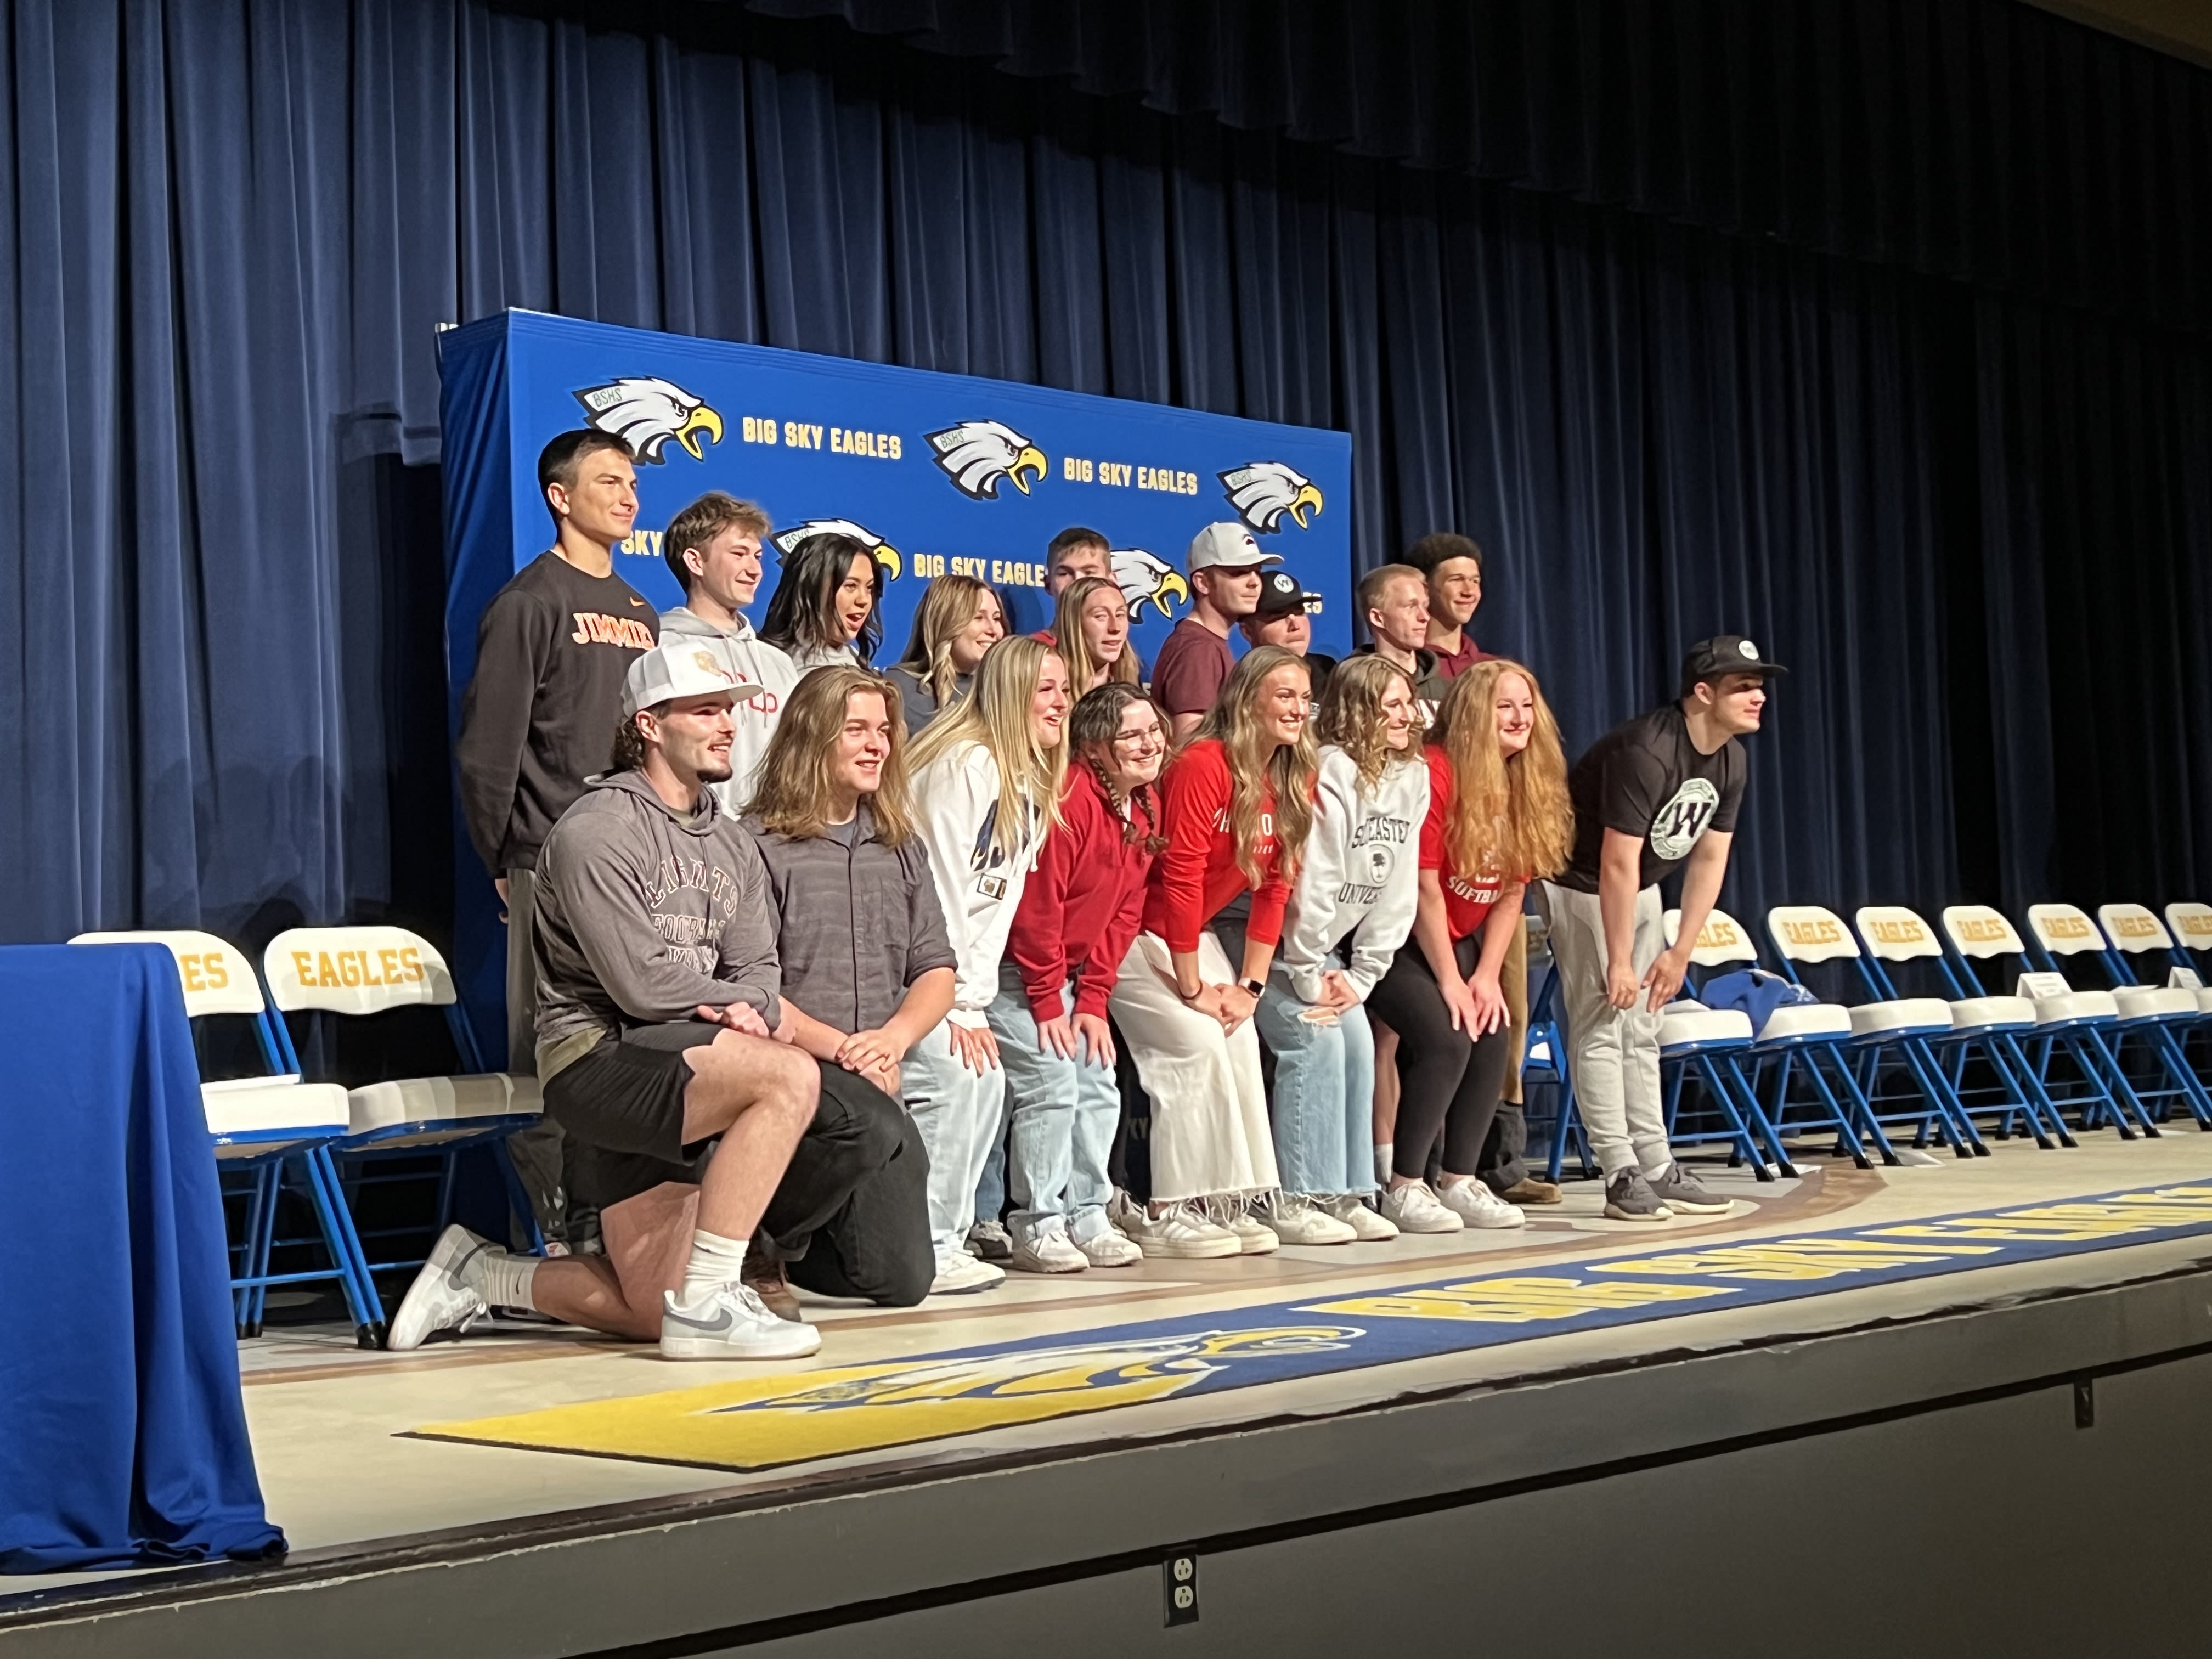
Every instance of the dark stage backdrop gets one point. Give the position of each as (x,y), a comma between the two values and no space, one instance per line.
(1908,381)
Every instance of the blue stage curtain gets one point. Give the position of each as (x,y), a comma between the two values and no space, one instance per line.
(229,228)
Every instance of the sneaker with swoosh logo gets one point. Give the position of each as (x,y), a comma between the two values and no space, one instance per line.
(729,1322)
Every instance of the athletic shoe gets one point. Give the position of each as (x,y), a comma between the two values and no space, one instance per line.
(446,1294)
(1682,1192)
(1530,1190)
(1119,1210)
(1254,1236)
(762,1274)
(989,1241)
(1413,1208)
(1051,1252)
(1629,1197)
(1295,1219)
(728,1321)
(1477,1206)
(961,1274)
(1109,1248)
(1366,1225)
(1183,1234)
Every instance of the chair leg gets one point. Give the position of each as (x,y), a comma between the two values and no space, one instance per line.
(1762,1130)
(1857,1119)
(2185,1081)
(2126,1105)
(345,1248)
(1747,1149)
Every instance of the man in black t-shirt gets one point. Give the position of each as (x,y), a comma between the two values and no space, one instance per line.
(1657,794)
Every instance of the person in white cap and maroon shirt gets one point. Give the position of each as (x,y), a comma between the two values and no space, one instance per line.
(1224,565)
(1654,795)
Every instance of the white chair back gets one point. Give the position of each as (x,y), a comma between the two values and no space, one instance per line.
(2064,930)
(1720,941)
(218,977)
(1893,933)
(1975,930)
(2191,924)
(354,970)
(2133,928)
(1806,932)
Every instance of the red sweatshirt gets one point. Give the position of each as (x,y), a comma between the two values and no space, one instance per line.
(1198,874)
(1080,907)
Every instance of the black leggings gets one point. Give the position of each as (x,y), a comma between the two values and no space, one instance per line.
(1444,1082)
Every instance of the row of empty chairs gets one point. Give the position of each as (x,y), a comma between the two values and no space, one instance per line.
(278,1126)
(1932,1047)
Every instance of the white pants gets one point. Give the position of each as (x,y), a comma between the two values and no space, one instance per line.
(1613,1053)
(957,1112)
(1209,1105)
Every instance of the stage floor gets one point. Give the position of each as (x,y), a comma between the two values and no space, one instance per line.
(359,1451)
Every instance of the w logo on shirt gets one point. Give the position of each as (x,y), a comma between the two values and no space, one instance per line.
(1676,828)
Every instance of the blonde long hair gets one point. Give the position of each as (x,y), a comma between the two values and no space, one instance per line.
(793,797)
(1510,817)
(1352,716)
(995,713)
(1083,670)
(1258,766)
(948,605)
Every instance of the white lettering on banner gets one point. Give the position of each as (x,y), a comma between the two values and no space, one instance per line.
(1678,824)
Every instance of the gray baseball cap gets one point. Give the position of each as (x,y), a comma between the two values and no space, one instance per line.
(1229,546)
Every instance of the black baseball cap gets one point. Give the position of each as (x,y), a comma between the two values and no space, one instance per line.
(1723,653)
(1281,595)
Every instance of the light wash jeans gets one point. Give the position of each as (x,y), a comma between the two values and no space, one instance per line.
(991,1191)
(1324,1104)
(1064,1113)
(955,1110)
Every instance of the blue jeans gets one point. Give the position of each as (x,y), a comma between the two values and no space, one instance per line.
(1064,1113)
(991,1190)
(1324,1094)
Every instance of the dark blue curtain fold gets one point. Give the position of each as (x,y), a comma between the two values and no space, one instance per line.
(229,228)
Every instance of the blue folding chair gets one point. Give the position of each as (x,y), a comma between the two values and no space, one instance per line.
(263,1130)
(2069,1022)
(2153,1019)
(1989,1028)
(1544,1061)
(2190,925)
(1792,1048)
(363,971)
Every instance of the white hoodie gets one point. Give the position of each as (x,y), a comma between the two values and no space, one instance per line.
(751,658)
(956,799)
(1362,871)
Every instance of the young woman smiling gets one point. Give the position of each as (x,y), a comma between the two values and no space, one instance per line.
(958,619)
(823,611)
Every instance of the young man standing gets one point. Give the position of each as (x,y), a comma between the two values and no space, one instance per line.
(1394,599)
(1076,552)
(1225,565)
(551,652)
(1649,797)
(1453,565)
(656,955)
(713,548)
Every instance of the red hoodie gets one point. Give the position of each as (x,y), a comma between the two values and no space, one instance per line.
(1198,874)
(1080,907)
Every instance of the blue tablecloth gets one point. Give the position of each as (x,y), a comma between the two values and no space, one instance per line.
(122,1430)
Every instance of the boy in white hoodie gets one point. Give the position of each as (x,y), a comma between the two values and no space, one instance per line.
(713,548)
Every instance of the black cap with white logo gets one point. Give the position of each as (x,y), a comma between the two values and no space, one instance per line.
(1281,595)
(1724,653)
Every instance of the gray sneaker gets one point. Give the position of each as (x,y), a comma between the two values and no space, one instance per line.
(1629,1197)
(1683,1192)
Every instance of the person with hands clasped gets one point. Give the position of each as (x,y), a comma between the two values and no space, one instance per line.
(1078,916)
(988,775)
(1657,794)
(1237,803)
(1497,815)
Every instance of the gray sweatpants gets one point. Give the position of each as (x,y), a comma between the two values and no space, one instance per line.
(1612,1054)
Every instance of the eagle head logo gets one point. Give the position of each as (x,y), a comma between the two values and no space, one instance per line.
(976,454)
(1147,579)
(646,413)
(1263,491)
(893,562)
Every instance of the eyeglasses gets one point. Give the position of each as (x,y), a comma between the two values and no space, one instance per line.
(1152,739)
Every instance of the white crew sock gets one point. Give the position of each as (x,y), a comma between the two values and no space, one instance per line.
(1384,1160)
(715,1261)
(503,1279)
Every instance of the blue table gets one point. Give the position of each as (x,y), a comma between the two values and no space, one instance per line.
(122,1430)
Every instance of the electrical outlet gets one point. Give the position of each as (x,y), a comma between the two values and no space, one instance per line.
(1179,1578)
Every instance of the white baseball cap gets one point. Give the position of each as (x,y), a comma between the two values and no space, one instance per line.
(679,668)
(1229,545)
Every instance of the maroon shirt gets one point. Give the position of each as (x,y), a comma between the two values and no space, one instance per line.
(1452,664)
(1192,665)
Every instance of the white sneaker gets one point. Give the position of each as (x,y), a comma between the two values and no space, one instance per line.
(1473,1202)
(1295,1219)
(1367,1227)
(445,1296)
(1052,1253)
(962,1275)
(1181,1234)
(1415,1209)
(1254,1236)
(1124,1214)
(1109,1248)
(730,1322)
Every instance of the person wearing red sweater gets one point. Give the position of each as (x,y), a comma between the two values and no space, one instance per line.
(1079,913)
(1236,804)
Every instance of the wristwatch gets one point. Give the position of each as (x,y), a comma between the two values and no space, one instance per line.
(1252,987)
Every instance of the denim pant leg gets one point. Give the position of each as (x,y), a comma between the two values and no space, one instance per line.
(1309,1081)
(1357,1140)
(991,1190)
(1042,1091)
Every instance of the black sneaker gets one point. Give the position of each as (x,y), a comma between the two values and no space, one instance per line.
(1629,1197)
(1683,1192)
